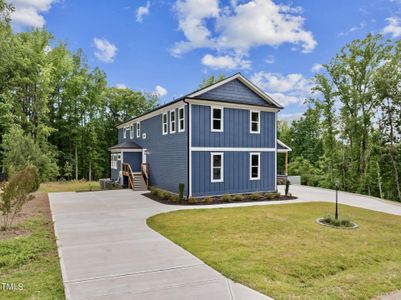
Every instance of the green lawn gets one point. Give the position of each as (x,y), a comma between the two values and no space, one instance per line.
(69,186)
(31,261)
(281,252)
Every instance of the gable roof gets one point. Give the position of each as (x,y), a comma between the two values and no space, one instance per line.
(125,145)
(197,94)
(281,147)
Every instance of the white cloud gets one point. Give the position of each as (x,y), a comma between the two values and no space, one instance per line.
(317,68)
(225,62)
(240,26)
(142,11)
(393,27)
(28,13)
(285,89)
(105,51)
(160,91)
(270,59)
(121,86)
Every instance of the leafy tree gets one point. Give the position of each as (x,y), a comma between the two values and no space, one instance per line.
(210,80)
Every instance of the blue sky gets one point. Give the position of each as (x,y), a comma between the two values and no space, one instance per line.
(168,47)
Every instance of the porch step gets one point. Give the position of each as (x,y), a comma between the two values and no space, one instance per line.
(139,182)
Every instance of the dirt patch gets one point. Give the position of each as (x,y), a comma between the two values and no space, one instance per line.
(37,207)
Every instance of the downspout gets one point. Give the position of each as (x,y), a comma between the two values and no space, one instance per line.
(188,147)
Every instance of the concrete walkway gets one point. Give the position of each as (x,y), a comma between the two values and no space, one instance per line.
(108,252)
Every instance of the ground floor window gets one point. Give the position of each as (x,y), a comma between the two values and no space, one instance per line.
(114,158)
(254,166)
(217,167)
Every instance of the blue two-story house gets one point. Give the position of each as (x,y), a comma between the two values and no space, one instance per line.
(221,139)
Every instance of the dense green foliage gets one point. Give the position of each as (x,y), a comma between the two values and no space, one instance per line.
(56,112)
(351,131)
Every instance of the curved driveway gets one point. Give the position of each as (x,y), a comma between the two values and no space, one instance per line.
(108,252)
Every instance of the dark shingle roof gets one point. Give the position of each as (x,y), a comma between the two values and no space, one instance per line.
(126,145)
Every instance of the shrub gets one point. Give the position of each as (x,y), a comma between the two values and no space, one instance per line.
(174,198)
(18,192)
(276,195)
(287,187)
(239,197)
(340,222)
(181,187)
(208,200)
(226,198)
(164,195)
(256,196)
(269,196)
(192,200)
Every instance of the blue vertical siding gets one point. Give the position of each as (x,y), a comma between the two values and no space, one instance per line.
(168,158)
(236,174)
(234,91)
(236,129)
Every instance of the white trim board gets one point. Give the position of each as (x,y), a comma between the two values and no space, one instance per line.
(231,149)
(283,145)
(218,104)
(125,150)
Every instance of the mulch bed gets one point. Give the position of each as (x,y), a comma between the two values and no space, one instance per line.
(216,200)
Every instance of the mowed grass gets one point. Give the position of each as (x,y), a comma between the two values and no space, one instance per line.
(280,251)
(31,263)
(69,186)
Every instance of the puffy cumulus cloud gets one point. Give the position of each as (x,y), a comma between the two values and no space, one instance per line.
(317,68)
(240,26)
(160,91)
(28,13)
(225,62)
(105,51)
(142,11)
(393,27)
(285,89)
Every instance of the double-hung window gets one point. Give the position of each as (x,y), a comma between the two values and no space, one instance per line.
(217,119)
(125,132)
(255,121)
(254,166)
(181,119)
(138,129)
(172,121)
(164,124)
(217,167)
(131,132)
(114,161)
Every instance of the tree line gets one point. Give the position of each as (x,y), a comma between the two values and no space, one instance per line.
(55,111)
(351,131)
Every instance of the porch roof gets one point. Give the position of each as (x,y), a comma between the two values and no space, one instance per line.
(125,145)
(281,147)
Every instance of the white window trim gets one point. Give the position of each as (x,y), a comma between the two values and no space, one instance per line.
(250,121)
(250,165)
(164,132)
(124,132)
(114,158)
(222,167)
(212,119)
(138,129)
(181,119)
(171,121)
(131,131)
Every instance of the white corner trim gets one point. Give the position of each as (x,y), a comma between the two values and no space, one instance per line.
(221,167)
(221,119)
(190,147)
(231,149)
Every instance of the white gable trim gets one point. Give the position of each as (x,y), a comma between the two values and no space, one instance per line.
(245,81)
(283,145)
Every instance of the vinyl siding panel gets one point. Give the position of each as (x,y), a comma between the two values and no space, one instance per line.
(236,174)
(236,131)
(234,91)
(134,159)
(168,155)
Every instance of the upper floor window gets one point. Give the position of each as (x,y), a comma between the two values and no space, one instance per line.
(125,129)
(217,119)
(255,121)
(217,167)
(138,129)
(181,119)
(172,121)
(164,124)
(254,166)
(131,131)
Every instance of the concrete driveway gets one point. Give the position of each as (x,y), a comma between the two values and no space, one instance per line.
(108,252)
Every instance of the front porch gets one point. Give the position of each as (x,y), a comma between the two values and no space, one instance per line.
(282,162)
